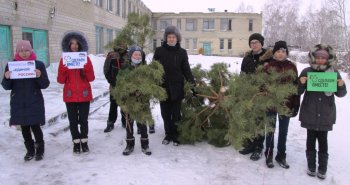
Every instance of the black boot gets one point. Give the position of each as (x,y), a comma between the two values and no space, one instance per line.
(166,140)
(322,165)
(130,143)
(269,158)
(30,150)
(311,163)
(247,148)
(281,160)
(256,155)
(84,145)
(76,146)
(145,146)
(110,127)
(151,129)
(40,150)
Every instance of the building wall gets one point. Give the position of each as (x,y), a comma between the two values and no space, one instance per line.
(238,34)
(66,15)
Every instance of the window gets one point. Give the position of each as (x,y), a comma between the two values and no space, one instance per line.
(154,44)
(221,44)
(117,7)
(178,24)
(225,24)
(191,25)
(194,43)
(229,44)
(98,3)
(109,5)
(154,24)
(164,23)
(129,7)
(109,35)
(124,9)
(187,43)
(99,39)
(208,24)
(250,25)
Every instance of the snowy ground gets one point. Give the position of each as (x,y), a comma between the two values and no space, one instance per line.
(186,164)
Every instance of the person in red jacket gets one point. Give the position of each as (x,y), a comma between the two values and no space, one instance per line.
(77,92)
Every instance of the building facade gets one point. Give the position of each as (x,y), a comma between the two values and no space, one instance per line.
(214,33)
(44,22)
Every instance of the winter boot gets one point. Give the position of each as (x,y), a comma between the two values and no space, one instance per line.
(281,160)
(311,163)
(248,148)
(40,150)
(166,140)
(76,146)
(269,158)
(256,155)
(130,143)
(151,129)
(84,145)
(30,150)
(110,127)
(145,147)
(322,165)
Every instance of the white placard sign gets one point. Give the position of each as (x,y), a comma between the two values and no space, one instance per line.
(74,60)
(22,69)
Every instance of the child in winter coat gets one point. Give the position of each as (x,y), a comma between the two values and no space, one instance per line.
(136,58)
(77,91)
(318,111)
(27,102)
(281,64)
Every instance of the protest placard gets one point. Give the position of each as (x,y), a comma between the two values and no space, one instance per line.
(322,81)
(74,60)
(22,69)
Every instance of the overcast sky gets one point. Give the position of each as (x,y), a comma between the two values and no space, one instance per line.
(219,5)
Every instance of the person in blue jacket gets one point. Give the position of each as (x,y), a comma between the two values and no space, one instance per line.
(27,102)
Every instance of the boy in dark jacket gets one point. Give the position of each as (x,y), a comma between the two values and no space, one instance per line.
(176,67)
(318,111)
(114,60)
(27,101)
(250,63)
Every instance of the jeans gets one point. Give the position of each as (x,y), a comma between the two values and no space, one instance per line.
(282,134)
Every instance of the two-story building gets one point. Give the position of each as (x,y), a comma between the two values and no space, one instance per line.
(214,33)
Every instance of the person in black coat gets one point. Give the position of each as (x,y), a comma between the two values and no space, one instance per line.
(114,60)
(175,62)
(251,61)
(318,110)
(27,102)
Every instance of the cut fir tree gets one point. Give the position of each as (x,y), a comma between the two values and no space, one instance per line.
(137,88)
(231,108)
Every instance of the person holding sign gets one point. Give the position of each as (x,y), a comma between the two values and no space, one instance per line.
(27,101)
(77,92)
(318,111)
(281,64)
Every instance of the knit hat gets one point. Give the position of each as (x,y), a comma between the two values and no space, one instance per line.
(280,45)
(132,49)
(23,45)
(172,30)
(256,36)
(322,53)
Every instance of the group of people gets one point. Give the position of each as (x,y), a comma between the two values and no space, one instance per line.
(317,111)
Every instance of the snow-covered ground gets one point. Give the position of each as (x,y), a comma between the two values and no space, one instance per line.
(186,164)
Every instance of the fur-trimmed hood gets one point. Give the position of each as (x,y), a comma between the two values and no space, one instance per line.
(331,61)
(83,45)
(269,55)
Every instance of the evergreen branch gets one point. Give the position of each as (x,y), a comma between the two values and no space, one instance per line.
(206,96)
(211,89)
(258,94)
(207,118)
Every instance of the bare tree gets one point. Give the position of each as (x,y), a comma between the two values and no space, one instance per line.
(243,8)
(339,9)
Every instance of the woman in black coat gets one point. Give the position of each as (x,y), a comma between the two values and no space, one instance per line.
(27,102)
(175,62)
